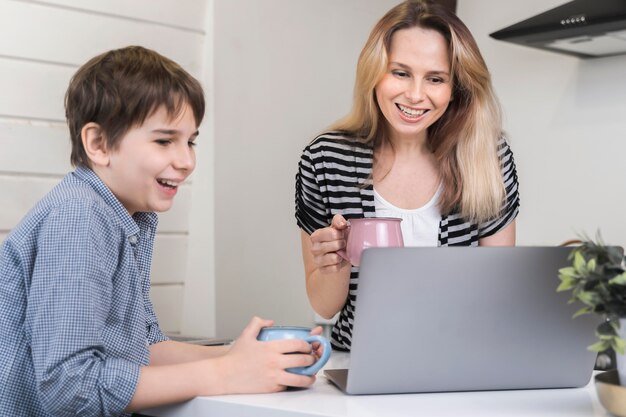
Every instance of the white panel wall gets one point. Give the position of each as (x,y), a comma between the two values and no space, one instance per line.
(185,15)
(565,118)
(41,45)
(62,28)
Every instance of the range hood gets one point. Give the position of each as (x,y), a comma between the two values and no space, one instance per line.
(583,28)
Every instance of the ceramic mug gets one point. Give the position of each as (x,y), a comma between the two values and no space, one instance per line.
(304,333)
(371,232)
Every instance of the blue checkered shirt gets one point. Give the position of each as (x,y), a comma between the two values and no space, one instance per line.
(75,315)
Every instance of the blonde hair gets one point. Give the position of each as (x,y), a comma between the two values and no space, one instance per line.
(464,140)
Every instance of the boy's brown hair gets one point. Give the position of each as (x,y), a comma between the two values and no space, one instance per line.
(119,89)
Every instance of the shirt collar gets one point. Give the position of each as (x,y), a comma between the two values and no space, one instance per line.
(130,224)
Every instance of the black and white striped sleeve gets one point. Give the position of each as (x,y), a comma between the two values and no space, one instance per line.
(510,208)
(312,212)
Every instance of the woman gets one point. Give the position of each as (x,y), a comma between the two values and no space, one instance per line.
(423,142)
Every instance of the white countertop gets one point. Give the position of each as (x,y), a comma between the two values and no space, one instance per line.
(324,399)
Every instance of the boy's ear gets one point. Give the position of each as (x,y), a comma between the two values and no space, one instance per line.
(95,144)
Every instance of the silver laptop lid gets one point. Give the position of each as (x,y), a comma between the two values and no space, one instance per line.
(457,319)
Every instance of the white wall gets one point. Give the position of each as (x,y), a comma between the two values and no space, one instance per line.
(284,70)
(565,118)
(41,45)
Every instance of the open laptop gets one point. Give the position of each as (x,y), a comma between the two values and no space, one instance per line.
(465,319)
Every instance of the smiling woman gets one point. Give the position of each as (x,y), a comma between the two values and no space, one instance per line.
(423,142)
(415,91)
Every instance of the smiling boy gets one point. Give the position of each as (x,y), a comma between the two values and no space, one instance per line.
(79,334)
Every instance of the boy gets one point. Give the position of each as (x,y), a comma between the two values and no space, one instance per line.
(79,335)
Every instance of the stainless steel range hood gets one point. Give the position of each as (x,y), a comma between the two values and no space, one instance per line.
(583,28)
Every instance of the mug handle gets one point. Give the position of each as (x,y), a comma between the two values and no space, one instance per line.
(311,370)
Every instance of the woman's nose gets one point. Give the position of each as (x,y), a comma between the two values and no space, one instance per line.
(415,92)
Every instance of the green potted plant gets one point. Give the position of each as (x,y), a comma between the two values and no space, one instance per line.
(597,278)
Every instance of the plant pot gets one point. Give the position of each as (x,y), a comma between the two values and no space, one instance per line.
(611,394)
(621,359)
(611,385)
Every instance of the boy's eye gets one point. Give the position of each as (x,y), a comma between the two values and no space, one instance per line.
(163,142)
(191,143)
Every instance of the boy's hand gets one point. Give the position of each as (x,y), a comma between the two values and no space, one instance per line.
(251,366)
(317,347)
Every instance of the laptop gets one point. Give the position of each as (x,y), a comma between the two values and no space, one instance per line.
(465,319)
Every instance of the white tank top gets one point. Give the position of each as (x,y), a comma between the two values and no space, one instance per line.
(420,226)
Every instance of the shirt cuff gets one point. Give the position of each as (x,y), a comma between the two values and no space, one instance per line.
(155,335)
(118,383)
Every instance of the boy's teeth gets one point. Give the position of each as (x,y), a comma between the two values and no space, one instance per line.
(168,183)
(411,112)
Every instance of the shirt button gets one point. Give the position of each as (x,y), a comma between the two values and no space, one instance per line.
(132,239)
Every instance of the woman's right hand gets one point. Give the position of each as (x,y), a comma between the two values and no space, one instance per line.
(326,242)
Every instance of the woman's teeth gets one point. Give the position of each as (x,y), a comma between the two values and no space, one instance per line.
(411,112)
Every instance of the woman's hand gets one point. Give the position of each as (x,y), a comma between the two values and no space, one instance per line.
(326,242)
(327,273)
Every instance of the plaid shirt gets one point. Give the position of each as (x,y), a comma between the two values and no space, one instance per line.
(75,315)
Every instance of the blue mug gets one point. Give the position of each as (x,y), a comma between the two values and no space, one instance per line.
(292,332)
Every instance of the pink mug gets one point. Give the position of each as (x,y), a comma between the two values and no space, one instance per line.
(371,232)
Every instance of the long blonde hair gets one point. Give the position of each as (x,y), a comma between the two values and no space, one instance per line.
(464,140)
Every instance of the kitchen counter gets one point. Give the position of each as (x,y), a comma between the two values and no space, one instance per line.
(324,399)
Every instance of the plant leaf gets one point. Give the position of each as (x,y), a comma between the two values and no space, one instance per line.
(568,272)
(588,297)
(566,284)
(619,280)
(591,265)
(599,346)
(584,310)
(579,262)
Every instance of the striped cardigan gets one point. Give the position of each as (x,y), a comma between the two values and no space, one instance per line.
(334,178)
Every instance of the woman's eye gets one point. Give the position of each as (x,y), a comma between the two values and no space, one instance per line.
(163,142)
(191,143)
(400,74)
(436,80)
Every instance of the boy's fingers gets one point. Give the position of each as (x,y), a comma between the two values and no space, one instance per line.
(297,361)
(254,327)
(292,346)
(316,331)
(294,380)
